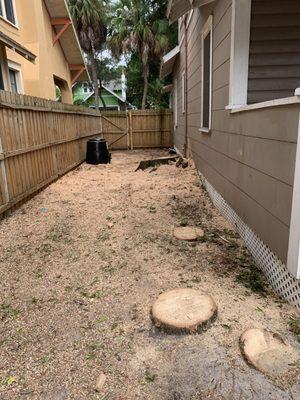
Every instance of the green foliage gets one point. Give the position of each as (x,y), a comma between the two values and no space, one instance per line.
(139,29)
(89,18)
(9,381)
(253,280)
(7,311)
(294,324)
(108,69)
(150,377)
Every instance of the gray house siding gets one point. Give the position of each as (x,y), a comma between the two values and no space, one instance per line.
(248,157)
(274,62)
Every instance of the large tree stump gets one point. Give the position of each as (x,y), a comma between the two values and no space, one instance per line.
(183,310)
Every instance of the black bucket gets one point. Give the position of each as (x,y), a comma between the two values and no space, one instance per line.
(97,152)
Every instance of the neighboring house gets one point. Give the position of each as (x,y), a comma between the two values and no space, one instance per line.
(113,94)
(39,49)
(236,74)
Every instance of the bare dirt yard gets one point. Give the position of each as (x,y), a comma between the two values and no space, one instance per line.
(80,267)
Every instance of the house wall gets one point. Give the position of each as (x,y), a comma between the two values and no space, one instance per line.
(248,157)
(34,31)
(274,50)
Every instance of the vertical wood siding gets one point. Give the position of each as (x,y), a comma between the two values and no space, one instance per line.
(248,157)
(274,65)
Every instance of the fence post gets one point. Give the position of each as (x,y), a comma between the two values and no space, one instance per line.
(127,129)
(131,129)
(4,184)
(101,125)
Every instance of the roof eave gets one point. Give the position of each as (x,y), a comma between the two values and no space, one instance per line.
(168,62)
(177,8)
(68,41)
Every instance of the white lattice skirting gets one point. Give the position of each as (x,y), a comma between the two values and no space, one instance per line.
(282,282)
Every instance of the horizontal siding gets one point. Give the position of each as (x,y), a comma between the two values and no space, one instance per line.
(253,182)
(274,50)
(248,157)
(269,229)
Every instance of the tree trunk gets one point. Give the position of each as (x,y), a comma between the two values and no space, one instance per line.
(145,90)
(95,79)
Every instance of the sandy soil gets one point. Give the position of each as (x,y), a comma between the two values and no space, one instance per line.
(80,266)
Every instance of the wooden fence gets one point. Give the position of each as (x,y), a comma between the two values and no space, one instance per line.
(40,140)
(138,129)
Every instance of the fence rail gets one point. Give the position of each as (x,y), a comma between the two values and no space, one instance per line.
(40,140)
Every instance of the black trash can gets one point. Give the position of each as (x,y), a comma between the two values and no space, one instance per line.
(97,152)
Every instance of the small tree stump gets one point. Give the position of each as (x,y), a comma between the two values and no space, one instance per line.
(188,233)
(183,310)
(267,352)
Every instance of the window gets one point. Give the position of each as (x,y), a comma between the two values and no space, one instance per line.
(15,77)
(86,87)
(7,10)
(239,58)
(206,76)
(183,93)
(175,101)
(13,81)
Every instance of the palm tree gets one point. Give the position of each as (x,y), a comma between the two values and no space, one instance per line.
(136,29)
(90,22)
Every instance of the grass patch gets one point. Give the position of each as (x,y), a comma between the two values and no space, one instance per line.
(253,279)
(92,348)
(98,294)
(9,381)
(59,233)
(150,377)
(45,248)
(38,273)
(103,236)
(102,319)
(294,324)
(7,311)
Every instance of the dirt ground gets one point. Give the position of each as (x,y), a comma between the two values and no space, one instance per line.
(80,266)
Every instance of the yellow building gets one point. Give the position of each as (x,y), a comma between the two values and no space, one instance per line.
(39,49)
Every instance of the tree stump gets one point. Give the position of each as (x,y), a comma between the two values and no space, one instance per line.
(267,352)
(183,311)
(188,233)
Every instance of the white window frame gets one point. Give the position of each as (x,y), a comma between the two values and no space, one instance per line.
(18,70)
(175,103)
(16,24)
(191,12)
(183,91)
(208,28)
(239,57)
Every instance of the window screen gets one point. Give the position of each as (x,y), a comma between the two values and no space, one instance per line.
(206,80)
(9,8)
(13,81)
